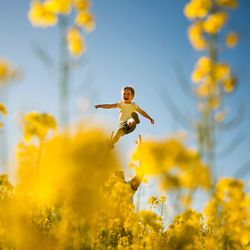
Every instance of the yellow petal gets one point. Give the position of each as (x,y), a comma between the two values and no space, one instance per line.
(231,39)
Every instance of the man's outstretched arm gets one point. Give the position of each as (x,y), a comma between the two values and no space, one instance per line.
(142,112)
(107,106)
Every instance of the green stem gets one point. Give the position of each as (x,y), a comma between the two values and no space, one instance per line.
(64,73)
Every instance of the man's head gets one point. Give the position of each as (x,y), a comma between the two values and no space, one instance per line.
(128,94)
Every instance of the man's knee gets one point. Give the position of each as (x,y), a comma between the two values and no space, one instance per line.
(131,122)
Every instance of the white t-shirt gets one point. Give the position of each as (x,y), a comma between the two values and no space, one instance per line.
(125,111)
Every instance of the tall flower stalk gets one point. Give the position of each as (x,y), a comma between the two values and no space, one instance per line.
(49,13)
(213,78)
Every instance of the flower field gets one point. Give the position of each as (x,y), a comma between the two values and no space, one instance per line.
(69,190)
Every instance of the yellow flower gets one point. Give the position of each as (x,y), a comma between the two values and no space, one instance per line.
(197,75)
(186,200)
(176,163)
(202,69)
(3,109)
(75,42)
(195,34)
(214,23)
(58,6)
(205,89)
(228,3)
(7,72)
(205,64)
(85,20)
(37,125)
(229,84)
(81,5)
(231,39)
(197,8)
(39,15)
(162,199)
(245,238)
(222,71)
(4,69)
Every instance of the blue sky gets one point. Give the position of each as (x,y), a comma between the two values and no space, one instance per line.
(135,42)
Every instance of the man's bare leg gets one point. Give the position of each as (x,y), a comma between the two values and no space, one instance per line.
(120,132)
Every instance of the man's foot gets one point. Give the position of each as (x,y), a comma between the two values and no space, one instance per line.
(135,117)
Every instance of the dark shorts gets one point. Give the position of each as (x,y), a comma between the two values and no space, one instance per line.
(127,129)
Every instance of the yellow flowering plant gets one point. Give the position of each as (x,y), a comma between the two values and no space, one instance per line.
(73,18)
(77,200)
(47,13)
(227,215)
(3,111)
(213,79)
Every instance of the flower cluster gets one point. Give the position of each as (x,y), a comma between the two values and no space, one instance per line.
(37,124)
(74,196)
(227,215)
(7,72)
(46,13)
(213,78)
(208,18)
(3,111)
(171,159)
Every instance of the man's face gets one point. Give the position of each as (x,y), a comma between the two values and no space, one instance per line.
(127,96)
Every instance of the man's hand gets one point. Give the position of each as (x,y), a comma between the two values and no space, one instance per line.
(152,121)
(97,106)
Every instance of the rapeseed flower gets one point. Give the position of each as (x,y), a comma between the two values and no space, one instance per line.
(46,13)
(175,163)
(75,42)
(3,70)
(214,22)
(39,15)
(202,69)
(85,20)
(7,72)
(229,84)
(232,4)
(197,8)
(231,39)
(222,71)
(228,207)
(195,35)
(81,5)
(37,125)
(3,111)
(58,6)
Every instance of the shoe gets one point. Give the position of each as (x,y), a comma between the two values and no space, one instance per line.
(135,117)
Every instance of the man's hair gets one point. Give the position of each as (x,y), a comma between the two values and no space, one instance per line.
(131,90)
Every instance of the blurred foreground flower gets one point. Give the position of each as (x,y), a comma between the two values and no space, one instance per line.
(37,125)
(3,111)
(227,215)
(170,159)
